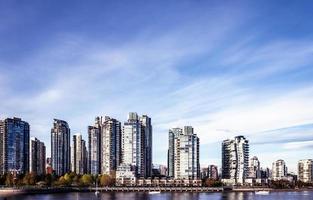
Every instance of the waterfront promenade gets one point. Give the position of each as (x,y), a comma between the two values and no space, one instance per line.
(44,190)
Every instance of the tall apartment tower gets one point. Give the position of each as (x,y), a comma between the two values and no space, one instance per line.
(37,157)
(172,134)
(110,145)
(60,147)
(137,144)
(279,170)
(305,170)
(183,154)
(235,160)
(79,155)
(94,147)
(14,146)
(146,145)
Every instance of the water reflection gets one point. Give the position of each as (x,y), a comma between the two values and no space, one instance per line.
(166,196)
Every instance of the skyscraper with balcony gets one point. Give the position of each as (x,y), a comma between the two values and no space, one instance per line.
(14,146)
(235,160)
(79,155)
(305,170)
(37,157)
(94,147)
(60,147)
(137,144)
(183,154)
(110,145)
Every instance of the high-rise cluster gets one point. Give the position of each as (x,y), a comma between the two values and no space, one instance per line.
(125,149)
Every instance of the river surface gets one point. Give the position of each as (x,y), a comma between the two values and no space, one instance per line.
(306,195)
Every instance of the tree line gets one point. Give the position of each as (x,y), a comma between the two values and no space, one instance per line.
(67,180)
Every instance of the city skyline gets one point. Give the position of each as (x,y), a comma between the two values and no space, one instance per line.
(225,68)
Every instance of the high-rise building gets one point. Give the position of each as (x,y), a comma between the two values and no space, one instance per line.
(213,172)
(110,145)
(183,154)
(14,146)
(37,157)
(94,147)
(146,145)
(254,168)
(235,160)
(204,173)
(60,147)
(305,170)
(279,170)
(137,144)
(79,155)
(172,134)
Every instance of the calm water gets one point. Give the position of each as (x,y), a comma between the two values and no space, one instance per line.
(168,196)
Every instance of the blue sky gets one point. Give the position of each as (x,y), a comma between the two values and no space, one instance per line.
(225,67)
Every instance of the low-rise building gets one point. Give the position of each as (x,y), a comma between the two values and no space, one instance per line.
(125,175)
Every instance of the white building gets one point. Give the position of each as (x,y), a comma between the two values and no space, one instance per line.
(235,160)
(137,144)
(305,170)
(279,170)
(125,175)
(183,155)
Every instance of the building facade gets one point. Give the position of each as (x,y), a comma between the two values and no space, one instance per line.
(172,134)
(235,160)
(60,147)
(146,145)
(279,170)
(183,154)
(37,157)
(254,168)
(14,146)
(213,172)
(137,144)
(305,170)
(79,155)
(94,147)
(110,145)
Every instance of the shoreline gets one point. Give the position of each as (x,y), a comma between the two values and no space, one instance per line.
(5,192)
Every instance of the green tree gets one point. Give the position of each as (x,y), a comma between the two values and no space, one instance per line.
(29,179)
(86,180)
(9,179)
(62,182)
(107,180)
(68,179)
